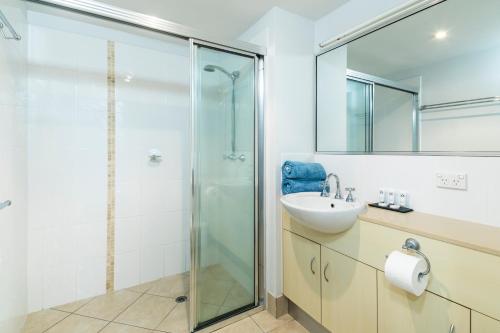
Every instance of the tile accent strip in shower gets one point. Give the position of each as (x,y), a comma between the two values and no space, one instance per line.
(110,260)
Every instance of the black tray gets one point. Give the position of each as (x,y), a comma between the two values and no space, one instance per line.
(400,210)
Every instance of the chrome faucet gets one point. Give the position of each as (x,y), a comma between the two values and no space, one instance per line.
(326,187)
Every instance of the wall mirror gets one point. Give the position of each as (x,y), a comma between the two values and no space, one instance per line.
(428,83)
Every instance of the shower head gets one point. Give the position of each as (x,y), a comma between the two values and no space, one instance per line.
(212,68)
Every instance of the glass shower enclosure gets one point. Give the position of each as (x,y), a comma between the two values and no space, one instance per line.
(137,167)
(225,201)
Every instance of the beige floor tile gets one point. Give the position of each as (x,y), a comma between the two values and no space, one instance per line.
(246,325)
(109,306)
(142,288)
(238,297)
(177,321)
(74,306)
(40,321)
(214,291)
(225,309)
(147,312)
(218,272)
(267,322)
(172,286)
(120,328)
(290,327)
(78,324)
(208,311)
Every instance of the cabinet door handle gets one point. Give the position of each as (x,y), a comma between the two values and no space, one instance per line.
(452,328)
(312,263)
(324,272)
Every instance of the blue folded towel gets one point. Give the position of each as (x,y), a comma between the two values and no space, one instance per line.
(294,186)
(303,171)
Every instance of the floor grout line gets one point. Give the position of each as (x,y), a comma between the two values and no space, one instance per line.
(69,314)
(127,307)
(256,323)
(168,314)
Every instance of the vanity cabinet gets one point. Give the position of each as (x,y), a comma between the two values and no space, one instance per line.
(399,311)
(482,324)
(302,275)
(348,294)
(344,288)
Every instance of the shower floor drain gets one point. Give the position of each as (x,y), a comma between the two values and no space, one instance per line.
(181,299)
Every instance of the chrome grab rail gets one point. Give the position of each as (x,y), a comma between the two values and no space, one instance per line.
(5,204)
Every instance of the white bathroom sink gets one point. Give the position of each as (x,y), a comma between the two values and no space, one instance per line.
(320,213)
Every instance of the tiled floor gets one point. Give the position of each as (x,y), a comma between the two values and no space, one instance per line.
(151,307)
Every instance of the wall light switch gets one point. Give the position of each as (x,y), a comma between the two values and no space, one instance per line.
(454,181)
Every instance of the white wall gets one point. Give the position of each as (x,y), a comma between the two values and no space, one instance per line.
(66,166)
(68,159)
(332,101)
(350,15)
(13,220)
(412,173)
(152,207)
(289,114)
(464,77)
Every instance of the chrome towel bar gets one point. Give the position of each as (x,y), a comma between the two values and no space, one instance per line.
(5,204)
(475,101)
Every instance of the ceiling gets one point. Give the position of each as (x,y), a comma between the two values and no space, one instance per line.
(226,19)
(409,44)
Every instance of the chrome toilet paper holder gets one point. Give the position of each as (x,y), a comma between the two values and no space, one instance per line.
(412,244)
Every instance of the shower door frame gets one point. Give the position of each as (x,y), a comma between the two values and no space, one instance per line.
(258,185)
(151,23)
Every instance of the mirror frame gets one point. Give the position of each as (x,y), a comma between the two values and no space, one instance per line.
(380,22)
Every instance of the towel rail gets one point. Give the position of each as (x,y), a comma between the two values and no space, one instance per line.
(474,101)
(4,23)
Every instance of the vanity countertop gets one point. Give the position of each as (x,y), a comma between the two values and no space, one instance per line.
(471,235)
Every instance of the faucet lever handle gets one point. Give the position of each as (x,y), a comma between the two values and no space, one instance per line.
(350,198)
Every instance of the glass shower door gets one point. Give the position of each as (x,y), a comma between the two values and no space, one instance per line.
(358,116)
(224,170)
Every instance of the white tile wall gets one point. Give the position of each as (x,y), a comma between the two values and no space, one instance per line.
(13,222)
(68,159)
(152,203)
(66,166)
(416,174)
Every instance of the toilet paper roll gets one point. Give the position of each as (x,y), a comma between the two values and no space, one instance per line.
(402,270)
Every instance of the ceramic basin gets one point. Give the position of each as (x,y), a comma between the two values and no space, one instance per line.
(322,214)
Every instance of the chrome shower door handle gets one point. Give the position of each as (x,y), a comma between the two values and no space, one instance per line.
(311,265)
(5,204)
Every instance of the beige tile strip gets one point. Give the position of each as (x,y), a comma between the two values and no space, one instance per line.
(110,262)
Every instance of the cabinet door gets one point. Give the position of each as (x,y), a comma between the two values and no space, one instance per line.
(400,311)
(483,324)
(301,273)
(349,294)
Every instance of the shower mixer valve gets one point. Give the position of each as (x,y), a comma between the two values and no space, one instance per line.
(234,157)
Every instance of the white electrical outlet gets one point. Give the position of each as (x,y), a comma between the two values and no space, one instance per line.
(454,181)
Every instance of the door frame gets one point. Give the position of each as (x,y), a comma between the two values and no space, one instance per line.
(259,236)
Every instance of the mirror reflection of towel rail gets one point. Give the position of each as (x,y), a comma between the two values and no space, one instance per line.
(4,23)
(5,204)
(475,101)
